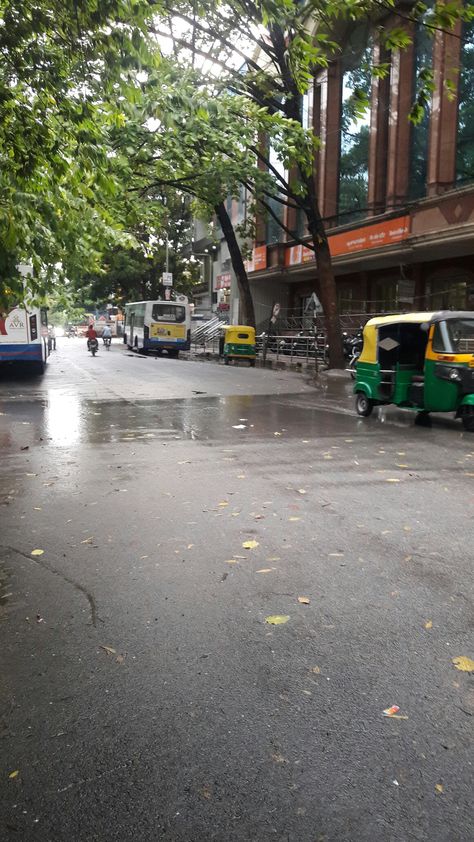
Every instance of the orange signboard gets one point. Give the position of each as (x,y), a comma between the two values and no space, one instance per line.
(259,259)
(371,236)
(359,239)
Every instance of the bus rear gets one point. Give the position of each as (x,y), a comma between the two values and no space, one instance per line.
(24,336)
(158,326)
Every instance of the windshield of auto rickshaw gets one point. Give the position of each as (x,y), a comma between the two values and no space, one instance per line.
(454,336)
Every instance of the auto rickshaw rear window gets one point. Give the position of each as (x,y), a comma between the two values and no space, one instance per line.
(242,336)
(454,336)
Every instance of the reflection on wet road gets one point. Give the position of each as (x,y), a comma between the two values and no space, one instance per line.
(64,420)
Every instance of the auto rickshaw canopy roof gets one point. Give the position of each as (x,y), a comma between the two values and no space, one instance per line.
(233,334)
(369,351)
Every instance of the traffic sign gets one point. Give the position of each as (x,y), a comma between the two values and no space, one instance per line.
(167,278)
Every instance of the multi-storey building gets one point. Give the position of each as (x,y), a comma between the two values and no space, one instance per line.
(397,198)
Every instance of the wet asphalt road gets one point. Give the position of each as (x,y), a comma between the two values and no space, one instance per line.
(143,695)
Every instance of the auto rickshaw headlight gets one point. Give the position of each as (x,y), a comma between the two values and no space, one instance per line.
(454,375)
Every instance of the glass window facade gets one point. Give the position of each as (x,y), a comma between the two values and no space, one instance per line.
(274,230)
(465,140)
(354,140)
(420,133)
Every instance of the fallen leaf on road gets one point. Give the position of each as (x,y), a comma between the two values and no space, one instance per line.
(278,758)
(120,659)
(265,570)
(391,710)
(190,546)
(231,561)
(316,670)
(301,491)
(107,649)
(464,664)
(224,503)
(240,476)
(294,518)
(250,545)
(274,558)
(14,774)
(392,479)
(88,540)
(277,619)
(429,624)
(37,508)
(206,792)
(239,426)
(336,555)
(277,434)
(37,552)
(303,600)
(439,787)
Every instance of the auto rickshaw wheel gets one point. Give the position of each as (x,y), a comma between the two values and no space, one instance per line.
(252,363)
(364,405)
(226,360)
(468,421)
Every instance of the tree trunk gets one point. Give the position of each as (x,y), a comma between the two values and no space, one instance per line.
(246,303)
(326,281)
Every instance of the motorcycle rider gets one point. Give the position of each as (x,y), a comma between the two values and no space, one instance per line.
(91,334)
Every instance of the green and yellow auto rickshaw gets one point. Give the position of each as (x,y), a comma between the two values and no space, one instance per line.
(239,344)
(422,361)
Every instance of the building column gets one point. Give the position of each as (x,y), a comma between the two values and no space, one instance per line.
(378,138)
(399,131)
(330,134)
(443,123)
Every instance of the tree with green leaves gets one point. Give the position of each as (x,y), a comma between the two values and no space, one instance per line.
(64,64)
(268,53)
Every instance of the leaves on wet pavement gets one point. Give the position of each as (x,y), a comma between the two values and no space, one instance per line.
(463,663)
(37,552)
(250,545)
(107,649)
(14,774)
(277,619)
(429,624)
(439,787)
(303,600)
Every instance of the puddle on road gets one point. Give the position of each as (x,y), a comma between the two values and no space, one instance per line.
(65,420)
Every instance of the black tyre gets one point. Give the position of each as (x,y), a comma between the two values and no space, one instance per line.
(226,360)
(173,354)
(252,363)
(468,422)
(364,405)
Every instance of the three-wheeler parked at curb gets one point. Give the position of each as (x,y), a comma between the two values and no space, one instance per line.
(239,344)
(422,361)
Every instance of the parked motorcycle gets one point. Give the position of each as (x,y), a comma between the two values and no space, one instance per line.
(93,346)
(354,350)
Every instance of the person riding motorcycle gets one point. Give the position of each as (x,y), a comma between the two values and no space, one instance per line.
(91,334)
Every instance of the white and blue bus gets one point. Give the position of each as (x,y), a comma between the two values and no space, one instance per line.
(158,326)
(24,336)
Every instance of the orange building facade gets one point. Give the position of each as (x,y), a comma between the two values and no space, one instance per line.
(397,198)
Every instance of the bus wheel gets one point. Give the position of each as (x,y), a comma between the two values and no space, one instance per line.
(39,368)
(364,405)
(252,363)
(173,353)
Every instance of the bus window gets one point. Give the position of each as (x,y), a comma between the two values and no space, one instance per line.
(168,313)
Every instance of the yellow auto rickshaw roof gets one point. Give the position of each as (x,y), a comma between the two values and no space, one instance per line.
(241,329)
(401,318)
